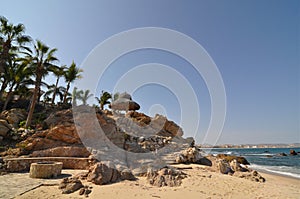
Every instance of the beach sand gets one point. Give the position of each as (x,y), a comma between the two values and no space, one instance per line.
(201,183)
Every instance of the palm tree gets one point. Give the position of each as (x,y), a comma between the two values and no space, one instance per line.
(71,74)
(12,38)
(76,94)
(84,96)
(58,72)
(40,61)
(104,99)
(54,90)
(18,74)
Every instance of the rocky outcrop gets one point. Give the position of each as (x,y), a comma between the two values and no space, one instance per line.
(229,158)
(159,125)
(165,177)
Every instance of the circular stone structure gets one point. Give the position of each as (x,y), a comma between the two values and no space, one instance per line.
(45,169)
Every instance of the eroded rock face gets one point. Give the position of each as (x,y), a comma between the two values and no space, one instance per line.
(165,177)
(160,125)
(67,151)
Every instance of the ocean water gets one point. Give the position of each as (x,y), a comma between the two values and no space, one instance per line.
(267,159)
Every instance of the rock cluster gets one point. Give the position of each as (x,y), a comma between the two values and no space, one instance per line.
(101,174)
(252,175)
(10,119)
(165,177)
(229,158)
(145,144)
(233,165)
(159,125)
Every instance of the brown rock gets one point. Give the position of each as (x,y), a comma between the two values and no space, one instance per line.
(165,177)
(224,167)
(101,174)
(4,128)
(293,152)
(14,116)
(70,185)
(67,151)
(229,158)
(253,176)
(65,134)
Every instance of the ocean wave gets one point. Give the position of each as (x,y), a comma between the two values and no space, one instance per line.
(259,154)
(282,170)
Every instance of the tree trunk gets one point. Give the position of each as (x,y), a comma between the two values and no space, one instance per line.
(34,99)
(8,97)
(54,93)
(66,93)
(3,87)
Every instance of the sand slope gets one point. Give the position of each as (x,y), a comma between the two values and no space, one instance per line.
(201,183)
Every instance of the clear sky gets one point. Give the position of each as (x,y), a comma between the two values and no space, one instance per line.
(255,45)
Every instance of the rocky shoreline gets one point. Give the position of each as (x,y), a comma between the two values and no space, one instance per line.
(160,151)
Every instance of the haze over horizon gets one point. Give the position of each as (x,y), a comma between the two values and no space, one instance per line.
(254,44)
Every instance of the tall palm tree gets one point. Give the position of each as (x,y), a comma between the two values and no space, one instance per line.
(71,74)
(40,61)
(84,96)
(58,72)
(12,38)
(104,99)
(19,74)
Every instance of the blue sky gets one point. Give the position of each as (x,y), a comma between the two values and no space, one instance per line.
(255,45)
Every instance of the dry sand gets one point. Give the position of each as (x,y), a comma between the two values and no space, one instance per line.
(201,183)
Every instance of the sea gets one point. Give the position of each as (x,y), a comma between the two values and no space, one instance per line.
(266,159)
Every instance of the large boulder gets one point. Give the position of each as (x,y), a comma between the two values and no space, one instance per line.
(165,177)
(4,127)
(166,127)
(14,116)
(293,152)
(236,166)
(101,174)
(189,155)
(224,167)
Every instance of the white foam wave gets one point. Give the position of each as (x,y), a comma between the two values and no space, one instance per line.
(282,170)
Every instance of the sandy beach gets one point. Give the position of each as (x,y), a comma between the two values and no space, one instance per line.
(200,183)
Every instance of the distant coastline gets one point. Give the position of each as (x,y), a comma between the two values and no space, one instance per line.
(248,146)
